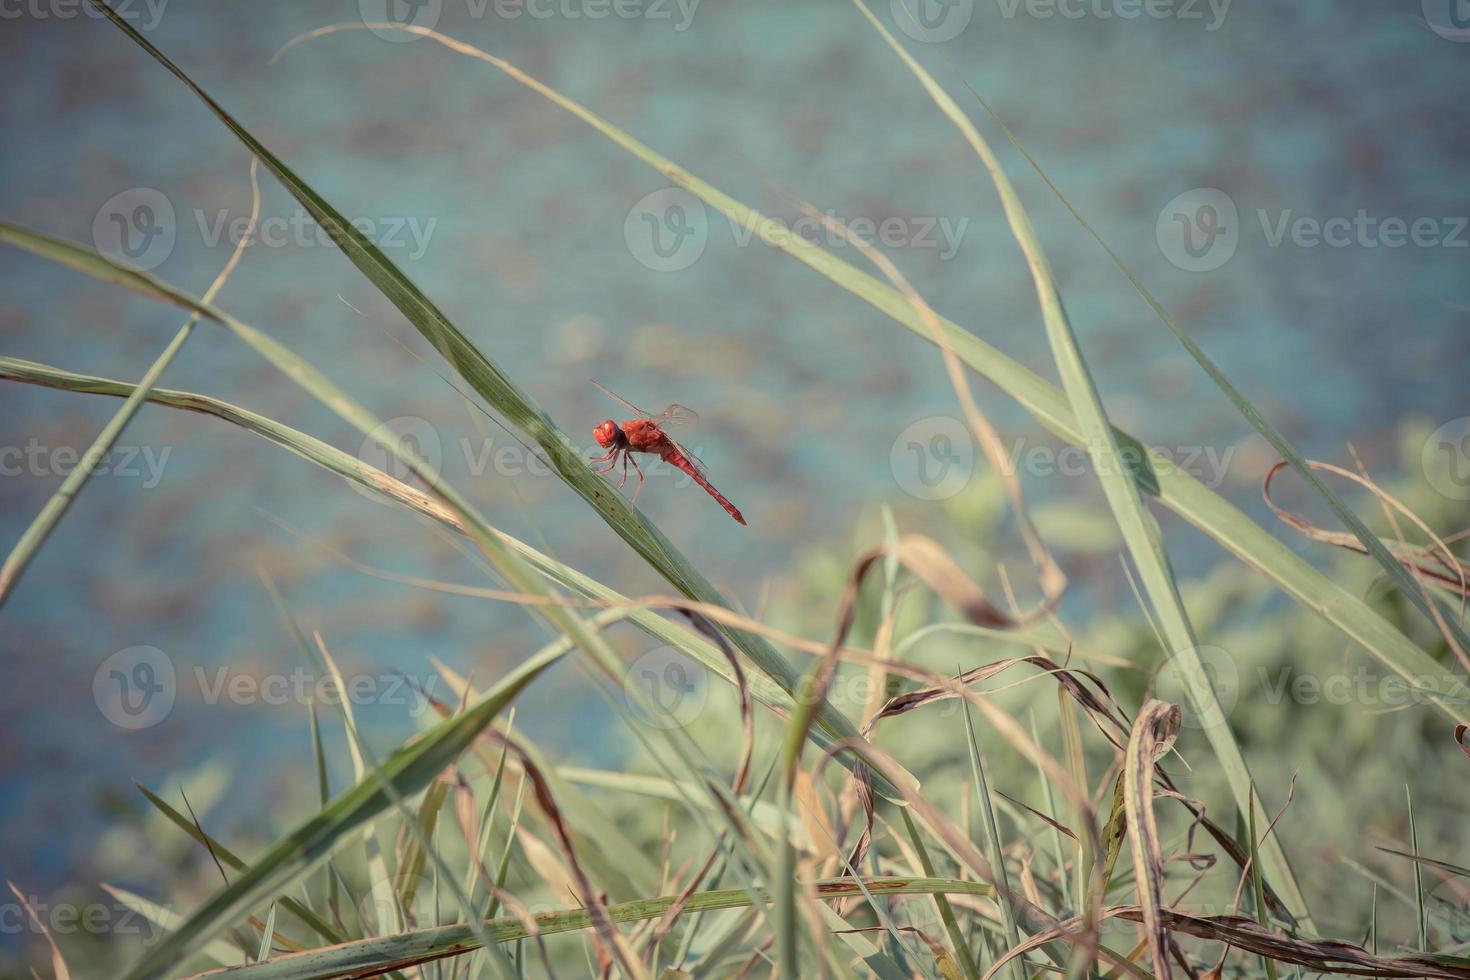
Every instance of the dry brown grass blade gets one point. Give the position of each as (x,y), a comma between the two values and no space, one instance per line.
(931,564)
(737,785)
(58,964)
(1100,703)
(1419,561)
(610,938)
(958,841)
(1438,563)
(1321,955)
(1154,731)
(1053,580)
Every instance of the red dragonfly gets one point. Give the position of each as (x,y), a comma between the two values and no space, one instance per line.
(645,434)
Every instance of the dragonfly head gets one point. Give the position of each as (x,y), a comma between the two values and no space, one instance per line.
(607,433)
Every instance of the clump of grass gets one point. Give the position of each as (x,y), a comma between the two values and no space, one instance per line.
(468,852)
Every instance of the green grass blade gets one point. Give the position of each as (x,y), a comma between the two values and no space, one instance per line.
(996,852)
(946,910)
(1155,474)
(296,854)
(1420,919)
(1395,569)
(1139,529)
(228,857)
(517,406)
(354,470)
(55,508)
(368,954)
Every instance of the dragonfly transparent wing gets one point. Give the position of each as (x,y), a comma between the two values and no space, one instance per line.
(698,463)
(676,414)
(624,402)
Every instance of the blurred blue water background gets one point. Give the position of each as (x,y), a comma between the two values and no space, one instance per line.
(1319,110)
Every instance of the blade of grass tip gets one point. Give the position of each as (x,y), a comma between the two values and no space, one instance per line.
(1139,529)
(946,911)
(1156,474)
(1016,967)
(1395,569)
(1058,848)
(503,868)
(58,962)
(165,919)
(566,458)
(1258,890)
(321,663)
(420,834)
(296,854)
(1419,918)
(324,793)
(1373,923)
(1453,869)
(481,846)
(228,857)
(383,902)
(55,508)
(267,936)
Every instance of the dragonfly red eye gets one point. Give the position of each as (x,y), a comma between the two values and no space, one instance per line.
(606,433)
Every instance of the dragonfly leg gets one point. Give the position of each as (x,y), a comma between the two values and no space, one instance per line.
(611,458)
(638,489)
(624,481)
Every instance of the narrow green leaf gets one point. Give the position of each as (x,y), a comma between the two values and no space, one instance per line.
(1154,473)
(55,508)
(368,954)
(501,392)
(1139,529)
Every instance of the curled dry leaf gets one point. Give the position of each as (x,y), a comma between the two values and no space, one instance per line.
(1153,734)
